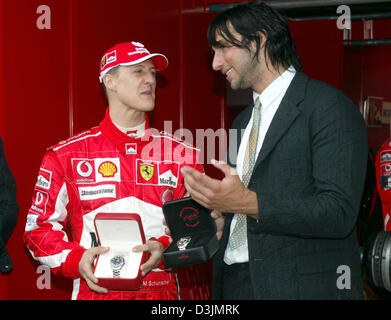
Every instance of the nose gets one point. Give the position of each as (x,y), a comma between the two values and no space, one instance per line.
(150,78)
(218,60)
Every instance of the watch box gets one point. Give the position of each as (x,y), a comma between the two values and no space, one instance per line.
(119,268)
(193,231)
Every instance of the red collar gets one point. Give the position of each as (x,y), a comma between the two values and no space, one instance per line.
(116,136)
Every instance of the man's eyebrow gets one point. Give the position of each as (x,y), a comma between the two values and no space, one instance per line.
(221,43)
(141,65)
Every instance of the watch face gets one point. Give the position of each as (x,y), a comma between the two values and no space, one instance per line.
(117,262)
(183,242)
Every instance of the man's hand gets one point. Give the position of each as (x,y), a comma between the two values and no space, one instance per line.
(220,221)
(155,248)
(227,195)
(86,269)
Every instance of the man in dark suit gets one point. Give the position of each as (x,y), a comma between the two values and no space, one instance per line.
(292,201)
(8,210)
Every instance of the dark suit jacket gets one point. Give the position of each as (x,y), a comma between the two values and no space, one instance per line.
(8,209)
(309,177)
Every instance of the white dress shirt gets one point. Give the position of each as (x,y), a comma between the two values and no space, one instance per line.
(270,100)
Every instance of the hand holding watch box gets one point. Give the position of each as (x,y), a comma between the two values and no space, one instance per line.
(193,231)
(119,268)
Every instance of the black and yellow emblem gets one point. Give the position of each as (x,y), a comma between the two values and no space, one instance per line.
(103,62)
(146,170)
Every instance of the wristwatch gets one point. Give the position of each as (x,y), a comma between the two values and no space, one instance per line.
(183,242)
(117,264)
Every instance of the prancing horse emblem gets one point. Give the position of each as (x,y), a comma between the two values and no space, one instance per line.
(146,171)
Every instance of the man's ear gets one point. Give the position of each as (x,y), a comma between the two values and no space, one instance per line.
(109,81)
(262,53)
(262,38)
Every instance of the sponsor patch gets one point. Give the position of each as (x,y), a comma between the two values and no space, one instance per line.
(31,223)
(168,173)
(97,192)
(131,148)
(74,138)
(107,169)
(158,173)
(168,179)
(85,171)
(40,201)
(168,195)
(385,169)
(147,170)
(385,155)
(96,170)
(385,177)
(385,182)
(44,179)
(138,51)
(109,58)
(103,62)
(190,217)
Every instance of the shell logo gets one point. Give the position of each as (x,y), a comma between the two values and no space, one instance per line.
(107,169)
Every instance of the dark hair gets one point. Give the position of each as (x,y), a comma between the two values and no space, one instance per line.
(247,19)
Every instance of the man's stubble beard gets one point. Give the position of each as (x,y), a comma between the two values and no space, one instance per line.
(248,76)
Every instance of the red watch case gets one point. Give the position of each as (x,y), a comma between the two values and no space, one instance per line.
(120,232)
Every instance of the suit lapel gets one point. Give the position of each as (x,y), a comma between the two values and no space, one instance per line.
(285,115)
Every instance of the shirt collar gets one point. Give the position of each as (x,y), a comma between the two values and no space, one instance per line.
(277,87)
(134,132)
(119,138)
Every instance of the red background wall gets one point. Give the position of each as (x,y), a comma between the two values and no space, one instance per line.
(367,73)
(49,86)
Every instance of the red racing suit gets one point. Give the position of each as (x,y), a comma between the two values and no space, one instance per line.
(383,181)
(104,170)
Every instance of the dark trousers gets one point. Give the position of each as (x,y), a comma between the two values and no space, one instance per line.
(237,282)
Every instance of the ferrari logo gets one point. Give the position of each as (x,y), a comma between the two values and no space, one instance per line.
(103,62)
(146,171)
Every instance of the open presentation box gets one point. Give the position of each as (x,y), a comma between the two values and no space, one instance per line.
(193,231)
(119,269)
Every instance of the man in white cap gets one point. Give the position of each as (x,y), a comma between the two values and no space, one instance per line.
(121,166)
